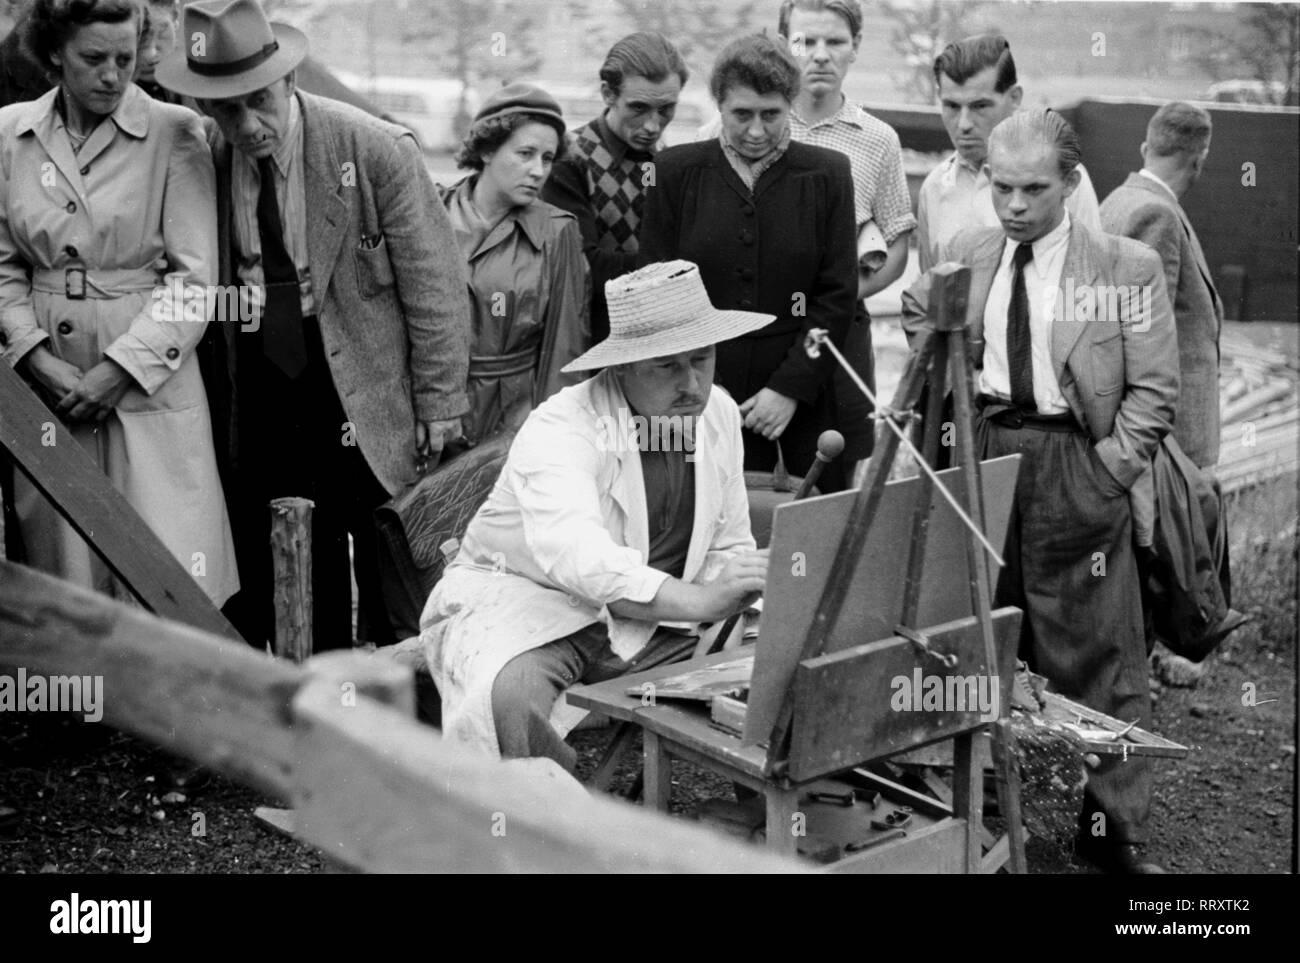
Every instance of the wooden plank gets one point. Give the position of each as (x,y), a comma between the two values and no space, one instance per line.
(65,474)
(217,702)
(658,773)
(845,702)
(782,808)
(609,697)
(804,537)
(379,792)
(728,714)
(1138,742)
(698,683)
(934,849)
(968,797)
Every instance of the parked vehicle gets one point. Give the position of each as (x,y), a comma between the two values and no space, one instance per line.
(436,111)
(1247,92)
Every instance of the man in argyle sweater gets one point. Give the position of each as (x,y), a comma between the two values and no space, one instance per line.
(609,162)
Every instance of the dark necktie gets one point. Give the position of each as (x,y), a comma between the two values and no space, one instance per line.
(1020,357)
(282,339)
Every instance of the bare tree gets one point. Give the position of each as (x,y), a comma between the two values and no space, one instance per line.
(699,29)
(921,29)
(1266,44)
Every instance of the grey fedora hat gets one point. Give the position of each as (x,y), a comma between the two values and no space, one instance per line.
(227,48)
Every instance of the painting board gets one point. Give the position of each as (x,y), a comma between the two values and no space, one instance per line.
(805,537)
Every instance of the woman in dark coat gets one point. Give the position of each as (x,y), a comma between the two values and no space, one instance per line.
(770,222)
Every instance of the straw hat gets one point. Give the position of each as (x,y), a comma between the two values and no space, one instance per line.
(659,310)
(229,50)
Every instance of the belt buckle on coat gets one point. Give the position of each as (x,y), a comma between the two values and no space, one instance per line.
(74,283)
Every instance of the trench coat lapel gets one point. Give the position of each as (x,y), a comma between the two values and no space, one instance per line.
(327,212)
(43,122)
(1068,325)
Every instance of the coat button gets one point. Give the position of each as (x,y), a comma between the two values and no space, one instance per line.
(85,170)
(173,354)
(65,328)
(747,210)
(70,250)
(746,274)
(72,207)
(745,238)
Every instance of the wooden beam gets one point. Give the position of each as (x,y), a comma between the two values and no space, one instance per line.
(378,792)
(217,702)
(65,474)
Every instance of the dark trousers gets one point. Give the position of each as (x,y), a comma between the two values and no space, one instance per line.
(294,441)
(525,690)
(1070,566)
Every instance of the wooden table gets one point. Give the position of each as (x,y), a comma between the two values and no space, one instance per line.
(681,729)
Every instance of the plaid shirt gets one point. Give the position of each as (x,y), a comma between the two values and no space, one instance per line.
(615,176)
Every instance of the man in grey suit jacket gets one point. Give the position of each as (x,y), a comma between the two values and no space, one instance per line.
(1146,207)
(1076,356)
(345,370)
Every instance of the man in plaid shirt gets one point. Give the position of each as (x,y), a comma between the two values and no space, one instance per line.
(603,174)
(824,36)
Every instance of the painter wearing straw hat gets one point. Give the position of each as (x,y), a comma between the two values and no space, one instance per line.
(619,524)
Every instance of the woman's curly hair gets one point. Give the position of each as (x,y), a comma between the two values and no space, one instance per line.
(487,135)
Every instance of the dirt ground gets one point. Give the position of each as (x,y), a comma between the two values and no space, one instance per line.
(88,798)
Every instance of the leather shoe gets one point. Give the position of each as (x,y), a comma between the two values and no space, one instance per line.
(1125,859)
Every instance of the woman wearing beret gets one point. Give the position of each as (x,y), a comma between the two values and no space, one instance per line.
(107,250)
(770,222)
(528,278)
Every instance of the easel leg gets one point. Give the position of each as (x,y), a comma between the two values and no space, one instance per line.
(1008,782)
(782,808)
(968,796)
(607,769)
(658,773)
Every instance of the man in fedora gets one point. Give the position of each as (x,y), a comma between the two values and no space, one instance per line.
(620,511)
(352,373)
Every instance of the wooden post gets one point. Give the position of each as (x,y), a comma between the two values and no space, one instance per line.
(291,562)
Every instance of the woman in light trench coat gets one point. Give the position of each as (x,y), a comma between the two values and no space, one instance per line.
(528,278)
(107,249)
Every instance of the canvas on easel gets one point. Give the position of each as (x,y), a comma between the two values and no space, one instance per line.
(805,536)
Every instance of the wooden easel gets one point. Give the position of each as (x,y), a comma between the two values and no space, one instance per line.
(834,697)
(939,355)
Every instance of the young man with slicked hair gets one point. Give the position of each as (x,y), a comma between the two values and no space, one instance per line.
(978,89)
(602,177)
(1082,386)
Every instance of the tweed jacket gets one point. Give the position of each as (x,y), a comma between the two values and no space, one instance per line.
(393,313)
(1142,209)
(1118,369)
(563,534)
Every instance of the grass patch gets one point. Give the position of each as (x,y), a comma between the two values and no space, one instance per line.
(1264,548)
